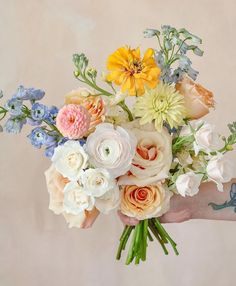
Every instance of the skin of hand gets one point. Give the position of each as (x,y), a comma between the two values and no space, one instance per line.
(196,207)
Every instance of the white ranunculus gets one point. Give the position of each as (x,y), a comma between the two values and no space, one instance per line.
(153,155)
(219,170)
(76,200)
(206,139)
(70,159)
(96,182)
(111,148)
(109,201)
(188,184)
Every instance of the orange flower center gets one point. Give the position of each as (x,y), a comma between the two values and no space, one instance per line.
(147,152)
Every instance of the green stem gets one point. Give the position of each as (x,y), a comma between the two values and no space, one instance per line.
(130,255)
(123,240)
(156,234)
(123,105)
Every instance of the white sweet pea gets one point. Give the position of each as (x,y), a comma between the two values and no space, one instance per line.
(97,182)
(206,139)
(111,148)
(219,170)
(70,159)
(76,200)
(184,158)
(109,201)
(188,184)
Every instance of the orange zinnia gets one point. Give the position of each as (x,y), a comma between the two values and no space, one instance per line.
(132,73)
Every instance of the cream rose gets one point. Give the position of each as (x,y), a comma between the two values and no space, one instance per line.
(198,100)
(188,184)
(145,202)
(219,170)
(70,159)
(109,201)
(111,148)
(76,200)
(97,182)
(56,184)
(153,156)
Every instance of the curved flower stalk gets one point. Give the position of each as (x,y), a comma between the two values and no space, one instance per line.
(171,55)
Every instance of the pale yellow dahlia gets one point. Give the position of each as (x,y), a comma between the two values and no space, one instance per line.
(162,104)
(128,70)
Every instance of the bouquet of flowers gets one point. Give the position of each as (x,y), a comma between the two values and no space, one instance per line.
(108,152)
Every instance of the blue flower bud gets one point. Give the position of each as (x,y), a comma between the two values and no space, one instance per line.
(149,33)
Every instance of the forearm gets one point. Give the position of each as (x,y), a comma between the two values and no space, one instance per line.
(209,203)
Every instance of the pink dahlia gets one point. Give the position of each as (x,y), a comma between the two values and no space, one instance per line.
(73,121)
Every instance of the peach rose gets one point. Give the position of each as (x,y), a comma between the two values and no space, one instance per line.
(144,202)
(92,102)
(56,184)
(153,155)
(198,100)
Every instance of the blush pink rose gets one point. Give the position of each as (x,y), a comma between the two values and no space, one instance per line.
(73,121)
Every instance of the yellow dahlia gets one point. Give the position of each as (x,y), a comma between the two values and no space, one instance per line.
(162,104)
(132,73)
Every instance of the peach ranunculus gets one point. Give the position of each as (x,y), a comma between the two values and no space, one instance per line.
(92,102)
(56,184)
(153,155)
(198,100)
(145,202)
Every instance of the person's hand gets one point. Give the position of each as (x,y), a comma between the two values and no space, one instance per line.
(180,211)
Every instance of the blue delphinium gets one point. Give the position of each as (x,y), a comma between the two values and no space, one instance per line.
(31,94)
(14,106)
(52,114)
(38,137)
(14,125)
(39,112)
(171,56)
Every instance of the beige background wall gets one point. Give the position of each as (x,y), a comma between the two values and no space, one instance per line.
(37,39)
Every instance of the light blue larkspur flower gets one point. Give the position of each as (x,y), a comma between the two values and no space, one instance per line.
(29,93)
(39,111)
(52,114)
(14,125)
(183,48)
(159,58)
(184,62)
(192,73)
(49,151)
(149,33)
(14,106)
(33,122)
(38,137)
